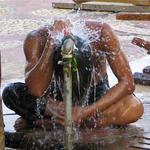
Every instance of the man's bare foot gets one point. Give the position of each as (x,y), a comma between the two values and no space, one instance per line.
(20,124)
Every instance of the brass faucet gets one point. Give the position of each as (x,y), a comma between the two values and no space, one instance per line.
(68,47)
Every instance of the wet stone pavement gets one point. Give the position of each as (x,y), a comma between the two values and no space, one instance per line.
(18,17)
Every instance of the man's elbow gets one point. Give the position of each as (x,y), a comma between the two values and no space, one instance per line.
(36,92)
(34,89)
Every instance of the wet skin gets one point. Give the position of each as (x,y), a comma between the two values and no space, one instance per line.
(118,106)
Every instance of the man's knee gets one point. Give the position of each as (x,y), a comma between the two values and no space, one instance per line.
(7,94)
(133,112)
(10,94)
(137,111)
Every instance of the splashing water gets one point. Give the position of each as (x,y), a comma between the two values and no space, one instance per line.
(78,26)
(79,29)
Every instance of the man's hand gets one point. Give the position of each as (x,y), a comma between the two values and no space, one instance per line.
(78,115)
(55,109)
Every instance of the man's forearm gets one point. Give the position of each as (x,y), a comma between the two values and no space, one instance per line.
(113,95)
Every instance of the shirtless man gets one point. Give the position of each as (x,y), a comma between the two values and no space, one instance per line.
(116,105)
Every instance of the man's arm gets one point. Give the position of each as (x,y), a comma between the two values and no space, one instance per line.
(39,65)
(120,68)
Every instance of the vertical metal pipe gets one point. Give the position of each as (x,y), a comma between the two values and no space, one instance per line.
(1,117)
(68,106)
(67,49)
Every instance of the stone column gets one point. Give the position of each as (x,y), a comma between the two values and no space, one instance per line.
(1,117)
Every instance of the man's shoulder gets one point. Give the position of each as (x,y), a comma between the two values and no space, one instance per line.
(35,38)
(98,25)
(106,26)
(93,23)
(35,34)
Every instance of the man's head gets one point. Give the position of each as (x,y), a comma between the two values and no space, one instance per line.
(62,25)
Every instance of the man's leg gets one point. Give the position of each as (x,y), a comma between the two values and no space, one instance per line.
(17,98)
(126,111)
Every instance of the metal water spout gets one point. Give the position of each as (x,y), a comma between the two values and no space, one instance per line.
(67,55)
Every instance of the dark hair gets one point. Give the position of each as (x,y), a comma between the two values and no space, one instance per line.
(84,64)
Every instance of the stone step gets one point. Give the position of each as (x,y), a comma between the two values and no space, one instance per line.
(142,78)
(147,70)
